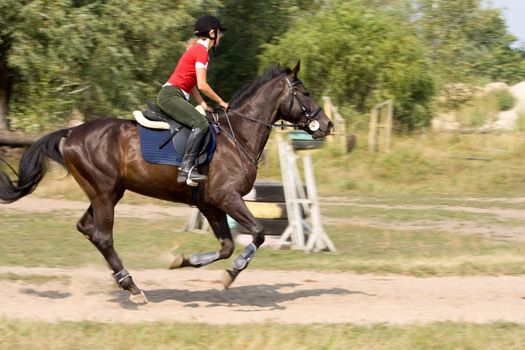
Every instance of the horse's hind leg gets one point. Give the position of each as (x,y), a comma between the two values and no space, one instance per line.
(97,225)
(219,225)
(96,165)
(85,224)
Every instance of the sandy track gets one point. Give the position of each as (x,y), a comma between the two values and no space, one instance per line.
(44,205)
(302,297)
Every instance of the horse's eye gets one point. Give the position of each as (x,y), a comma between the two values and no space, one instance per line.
(306,93)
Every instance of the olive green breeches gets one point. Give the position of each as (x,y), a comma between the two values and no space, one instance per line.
(172,101)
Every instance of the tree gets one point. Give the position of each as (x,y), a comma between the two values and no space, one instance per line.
(359,55)
(98,57)
(104,57)
(499,59)
(250,25)
(467,41)
(8,14)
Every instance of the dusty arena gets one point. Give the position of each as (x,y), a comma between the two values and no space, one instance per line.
(301,297)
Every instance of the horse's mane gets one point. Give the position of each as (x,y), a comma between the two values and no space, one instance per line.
(250,88)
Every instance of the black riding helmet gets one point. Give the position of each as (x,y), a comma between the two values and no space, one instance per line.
(205,24)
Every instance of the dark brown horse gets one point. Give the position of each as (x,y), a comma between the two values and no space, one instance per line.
(104,157)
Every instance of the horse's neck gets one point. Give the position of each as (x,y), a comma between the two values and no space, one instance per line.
(263,107)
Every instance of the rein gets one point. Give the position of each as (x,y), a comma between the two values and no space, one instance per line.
(311,123)
(309,116)
(232,136)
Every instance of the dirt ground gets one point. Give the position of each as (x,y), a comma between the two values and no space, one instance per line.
(302,297)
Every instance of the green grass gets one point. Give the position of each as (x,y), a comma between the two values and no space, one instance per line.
(505,100)
(481,202)
(51,240)
(366,250)
(16,335)
(427,163)
(484,108)
(521,120)
(417,215)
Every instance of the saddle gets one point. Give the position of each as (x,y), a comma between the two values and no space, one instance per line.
(161,135)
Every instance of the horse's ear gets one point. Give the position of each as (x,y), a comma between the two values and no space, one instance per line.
(296,69)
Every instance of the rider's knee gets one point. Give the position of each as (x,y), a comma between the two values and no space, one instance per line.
(202,124)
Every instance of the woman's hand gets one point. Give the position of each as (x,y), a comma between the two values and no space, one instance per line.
(224,105)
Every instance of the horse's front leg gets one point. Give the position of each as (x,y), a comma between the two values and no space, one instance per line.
(238,210)
(219,225)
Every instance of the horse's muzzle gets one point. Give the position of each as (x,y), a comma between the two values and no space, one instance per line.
(322,133)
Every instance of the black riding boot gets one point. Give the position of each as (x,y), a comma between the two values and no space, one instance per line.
(193,146)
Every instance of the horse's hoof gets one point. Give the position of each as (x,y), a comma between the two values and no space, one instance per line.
(138,298)
(227,279)
(177,262)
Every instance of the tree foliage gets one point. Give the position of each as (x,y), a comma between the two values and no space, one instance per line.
(99,57)
(8,12)
(466,41)
(250,24)
(360,56)
(105,57)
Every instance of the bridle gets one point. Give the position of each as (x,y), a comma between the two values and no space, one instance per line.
(312,122)
(311,117)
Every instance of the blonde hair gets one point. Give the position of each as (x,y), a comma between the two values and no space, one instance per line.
(190,42)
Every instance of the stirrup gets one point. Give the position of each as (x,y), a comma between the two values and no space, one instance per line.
(182,178)
(200,177)
(191,183)
(188,181)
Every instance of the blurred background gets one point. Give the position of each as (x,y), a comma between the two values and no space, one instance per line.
(87,59)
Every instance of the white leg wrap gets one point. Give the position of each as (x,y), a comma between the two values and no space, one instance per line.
(203,259)
(119,276)
(246,256)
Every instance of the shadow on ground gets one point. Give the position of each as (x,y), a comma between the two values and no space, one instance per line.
(263,296)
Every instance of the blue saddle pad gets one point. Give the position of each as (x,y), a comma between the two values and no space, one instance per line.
(151,139)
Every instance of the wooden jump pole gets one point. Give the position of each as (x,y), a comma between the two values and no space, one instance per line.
(339,132)
(380,127)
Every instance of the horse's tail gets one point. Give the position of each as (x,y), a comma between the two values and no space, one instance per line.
(32,167)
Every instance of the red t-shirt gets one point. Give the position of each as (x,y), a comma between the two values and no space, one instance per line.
(185,74)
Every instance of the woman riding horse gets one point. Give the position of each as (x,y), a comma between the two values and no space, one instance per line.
(186,80)
(104,156)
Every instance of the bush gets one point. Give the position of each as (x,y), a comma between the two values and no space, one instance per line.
(505,99)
